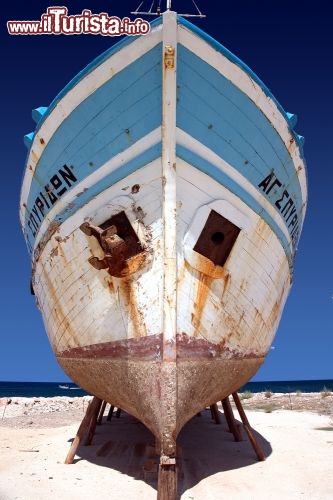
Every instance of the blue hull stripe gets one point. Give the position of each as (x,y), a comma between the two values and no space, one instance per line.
(229,55)
(101,127)
(219,115)
(91,67)
(222,178)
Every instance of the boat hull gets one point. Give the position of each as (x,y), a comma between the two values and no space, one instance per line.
(162,203)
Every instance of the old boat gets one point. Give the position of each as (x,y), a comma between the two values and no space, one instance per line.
(162,202)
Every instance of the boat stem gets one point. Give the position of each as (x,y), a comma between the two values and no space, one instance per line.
(167,480)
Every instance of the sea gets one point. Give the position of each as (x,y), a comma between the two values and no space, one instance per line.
(52,389)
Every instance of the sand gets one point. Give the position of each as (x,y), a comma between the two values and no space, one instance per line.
(293,430)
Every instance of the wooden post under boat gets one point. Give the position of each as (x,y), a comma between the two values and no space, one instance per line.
(86,430)
(248,428)
(229,416)
(167,472)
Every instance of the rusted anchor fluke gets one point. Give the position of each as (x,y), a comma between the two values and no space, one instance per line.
(90,230)
(98,263)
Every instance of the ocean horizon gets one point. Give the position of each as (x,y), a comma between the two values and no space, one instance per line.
(69,389)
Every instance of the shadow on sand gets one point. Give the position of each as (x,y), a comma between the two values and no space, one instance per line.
(205,448)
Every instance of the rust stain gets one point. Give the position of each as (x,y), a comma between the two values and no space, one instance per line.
(110,285)
(227,282)
(35,157)
(53,227)
(135,188)
(169,57)
(261,235)
(181,273)
(81,192)
(274,315)
(203,289)
(70,205)
(257,315)
(140,213)
(136,316)
(291,145)
(60,317)
(200,263)
(62,254)
(192,348)
(54,252)
(240,319)
(244,284)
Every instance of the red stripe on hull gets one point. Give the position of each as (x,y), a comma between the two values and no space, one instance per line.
(150,348)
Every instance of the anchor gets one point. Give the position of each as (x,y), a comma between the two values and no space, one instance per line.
(116,250)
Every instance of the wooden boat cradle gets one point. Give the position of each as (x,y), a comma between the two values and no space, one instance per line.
(167,474)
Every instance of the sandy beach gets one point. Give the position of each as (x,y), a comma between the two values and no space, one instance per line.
(294,431)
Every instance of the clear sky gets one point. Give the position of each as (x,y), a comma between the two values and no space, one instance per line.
(289,46)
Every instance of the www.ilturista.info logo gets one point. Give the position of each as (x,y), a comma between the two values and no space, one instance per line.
(56,22)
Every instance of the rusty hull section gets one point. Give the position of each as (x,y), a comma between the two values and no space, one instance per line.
(131,374)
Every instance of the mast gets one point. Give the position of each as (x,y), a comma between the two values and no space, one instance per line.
(138,12)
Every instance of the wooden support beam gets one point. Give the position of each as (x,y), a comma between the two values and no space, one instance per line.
(229,416)
(93,423)
(83,429)
(101,413)
(108,418)
(215,413)
(247,427)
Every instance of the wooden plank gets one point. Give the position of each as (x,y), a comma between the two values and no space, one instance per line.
(83,429)
(101,413)
(93,421)
(247,427)
(109,417)
(215,413)
(229,416)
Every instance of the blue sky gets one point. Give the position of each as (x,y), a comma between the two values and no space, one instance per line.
(289,48)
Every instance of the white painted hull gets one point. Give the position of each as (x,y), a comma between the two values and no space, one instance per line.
(174,328)
(240,306)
